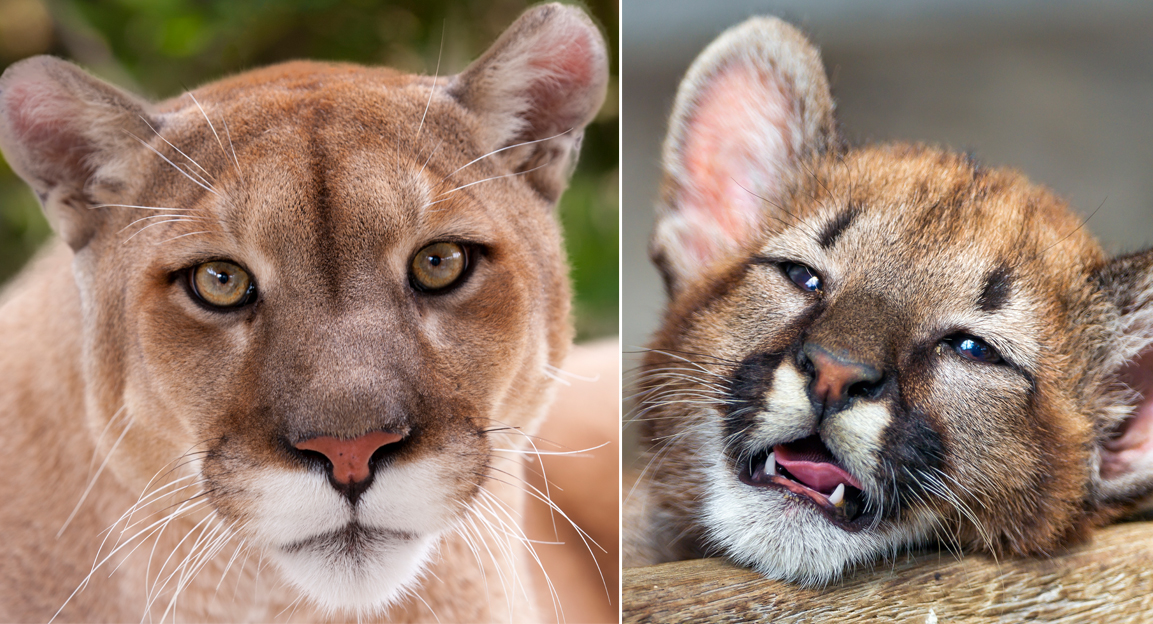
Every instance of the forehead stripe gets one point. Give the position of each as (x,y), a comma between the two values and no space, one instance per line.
(838,225)
(998,287)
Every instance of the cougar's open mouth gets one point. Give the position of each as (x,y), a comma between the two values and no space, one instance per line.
(807,469)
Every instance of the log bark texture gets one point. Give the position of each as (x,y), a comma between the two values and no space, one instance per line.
(1109,579)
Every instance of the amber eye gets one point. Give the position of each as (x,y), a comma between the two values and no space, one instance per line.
(438,266)
(222,284)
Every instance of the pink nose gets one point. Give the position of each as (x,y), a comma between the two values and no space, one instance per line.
(349,458)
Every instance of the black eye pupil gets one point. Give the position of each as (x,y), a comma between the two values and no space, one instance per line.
(222,278)
(434,260)
(803,277)
(974,349)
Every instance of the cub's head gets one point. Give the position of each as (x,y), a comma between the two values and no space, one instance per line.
(323,297)
(871,348)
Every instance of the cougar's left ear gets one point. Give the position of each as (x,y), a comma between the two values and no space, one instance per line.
(70,136)
(1125,450)
(537,88)
(752,106)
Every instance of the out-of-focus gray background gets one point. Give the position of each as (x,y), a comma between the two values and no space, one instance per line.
(1060,90)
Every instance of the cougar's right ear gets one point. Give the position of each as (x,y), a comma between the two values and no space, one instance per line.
(753,104)
(69,134)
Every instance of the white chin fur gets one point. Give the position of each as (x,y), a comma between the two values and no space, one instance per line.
(344,559)
(364,583)
(787,540)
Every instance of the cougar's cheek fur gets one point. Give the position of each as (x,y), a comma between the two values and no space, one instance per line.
(303,317)
(872,348)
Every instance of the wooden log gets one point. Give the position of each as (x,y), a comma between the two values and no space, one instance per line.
(1109,579)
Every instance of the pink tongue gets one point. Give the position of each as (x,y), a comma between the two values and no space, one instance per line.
(812,464)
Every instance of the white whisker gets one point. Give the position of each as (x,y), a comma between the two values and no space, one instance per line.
(578,453)
(186,156)
(169,240)
(92,481)
(232,148)
(141,207)
(210,126)
(497,151)
(151,225)
(435,75)
(507,175)
(182,172)
(561,372)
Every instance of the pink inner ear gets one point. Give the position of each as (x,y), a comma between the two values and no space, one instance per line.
(570,66)
(40,119)
(735,149)
(1134,447)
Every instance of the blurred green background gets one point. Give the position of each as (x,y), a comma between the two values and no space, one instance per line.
(158,48)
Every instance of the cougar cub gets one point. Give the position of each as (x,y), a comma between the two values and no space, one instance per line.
(868,348)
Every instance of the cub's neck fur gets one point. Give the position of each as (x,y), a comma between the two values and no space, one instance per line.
(283,361)
(873,348)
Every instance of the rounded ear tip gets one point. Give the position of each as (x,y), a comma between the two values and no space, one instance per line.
(759,39)
(550,10)
(566,18)
(35,64)
(766,25)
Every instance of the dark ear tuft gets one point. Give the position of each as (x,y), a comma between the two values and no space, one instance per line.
(66,132)
(540,84)
(752,105)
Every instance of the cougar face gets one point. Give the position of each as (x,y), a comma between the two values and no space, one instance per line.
(318,307)
(872,348)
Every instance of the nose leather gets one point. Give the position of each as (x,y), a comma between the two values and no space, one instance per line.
(834,376)
(349,458)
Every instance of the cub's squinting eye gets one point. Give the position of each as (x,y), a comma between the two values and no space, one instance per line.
(222,284)
(802,276)
(973,348)
(438,266)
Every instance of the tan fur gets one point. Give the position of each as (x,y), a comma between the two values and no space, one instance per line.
(914,246)
(322,181)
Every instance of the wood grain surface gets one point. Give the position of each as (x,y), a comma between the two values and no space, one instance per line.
(1109,579)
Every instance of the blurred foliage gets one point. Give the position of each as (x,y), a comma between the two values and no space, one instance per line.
(161,47)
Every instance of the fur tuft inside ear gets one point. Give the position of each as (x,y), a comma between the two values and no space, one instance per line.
(65,133)
(752,105)
(1126,452)
(539,85)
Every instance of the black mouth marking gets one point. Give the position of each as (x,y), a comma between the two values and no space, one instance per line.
(353,539)
(851,515)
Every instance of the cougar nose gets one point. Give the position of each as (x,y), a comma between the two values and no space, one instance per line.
(837,379)
(350,458)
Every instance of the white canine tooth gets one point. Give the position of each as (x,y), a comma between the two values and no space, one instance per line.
(838,496)
(771,465)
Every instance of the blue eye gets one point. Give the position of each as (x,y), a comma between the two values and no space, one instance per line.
(803,276)
(973,348)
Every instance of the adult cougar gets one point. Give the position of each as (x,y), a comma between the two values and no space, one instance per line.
(870,348)
(304,316)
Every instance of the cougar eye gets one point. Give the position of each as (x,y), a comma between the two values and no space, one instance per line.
(803,276)
(973,348)
(222,284)
(438,266)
